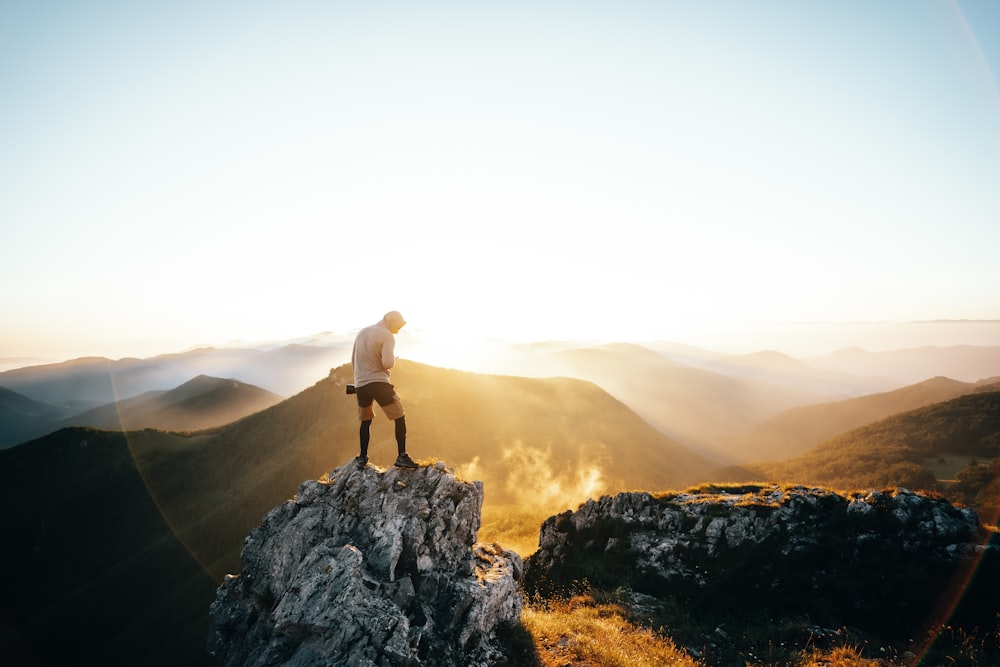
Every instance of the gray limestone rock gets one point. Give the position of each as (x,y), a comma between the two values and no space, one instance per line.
(869,558)
(372,568)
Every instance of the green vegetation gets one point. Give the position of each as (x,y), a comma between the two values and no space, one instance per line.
(895,452)
(978,485)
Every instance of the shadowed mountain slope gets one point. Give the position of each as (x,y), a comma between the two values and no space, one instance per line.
(96,576)
(22,418)
(796,430)
(200,403)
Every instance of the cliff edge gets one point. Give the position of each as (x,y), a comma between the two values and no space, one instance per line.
(883,561)
(370,568)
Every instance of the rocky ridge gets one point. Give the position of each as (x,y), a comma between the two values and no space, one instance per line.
(370,568)
(878,560)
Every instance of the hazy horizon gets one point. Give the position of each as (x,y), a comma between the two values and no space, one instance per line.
(470,351)
(194,173)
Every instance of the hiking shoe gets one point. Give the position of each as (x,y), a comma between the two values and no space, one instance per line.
(404,461)
(362,461)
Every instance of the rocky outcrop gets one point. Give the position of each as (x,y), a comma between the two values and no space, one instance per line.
(371,568)
(880,560)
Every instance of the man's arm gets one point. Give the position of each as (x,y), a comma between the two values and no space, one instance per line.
(389,352)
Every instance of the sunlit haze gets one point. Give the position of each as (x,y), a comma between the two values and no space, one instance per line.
(731,175)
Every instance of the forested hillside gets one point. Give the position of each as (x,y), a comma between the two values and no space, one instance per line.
(796,431)
(903,451)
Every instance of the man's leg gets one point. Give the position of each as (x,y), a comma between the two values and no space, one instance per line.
(403,460)
(401,435)
(365,414)
(365,434)
(393,409)
(392,406)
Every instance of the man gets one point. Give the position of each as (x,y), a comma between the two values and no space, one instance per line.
(372,358)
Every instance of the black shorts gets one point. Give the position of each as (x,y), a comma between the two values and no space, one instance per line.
(384,394)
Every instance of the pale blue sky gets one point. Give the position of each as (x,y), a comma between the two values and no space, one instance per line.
(184,173)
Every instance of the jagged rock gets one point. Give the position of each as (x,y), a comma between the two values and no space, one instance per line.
(875,558)
(372,568)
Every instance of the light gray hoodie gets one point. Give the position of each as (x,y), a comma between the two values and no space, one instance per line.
(374,350)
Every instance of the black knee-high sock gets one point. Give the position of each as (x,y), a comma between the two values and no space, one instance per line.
(365,434)
(401,435)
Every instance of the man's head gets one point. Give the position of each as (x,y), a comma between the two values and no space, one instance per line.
(393,321)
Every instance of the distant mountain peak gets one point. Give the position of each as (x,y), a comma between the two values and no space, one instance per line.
(765,359)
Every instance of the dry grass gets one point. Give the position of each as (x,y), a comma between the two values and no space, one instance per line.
(844,656)
(581,632)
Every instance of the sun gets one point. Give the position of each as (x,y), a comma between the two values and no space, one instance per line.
(450,349)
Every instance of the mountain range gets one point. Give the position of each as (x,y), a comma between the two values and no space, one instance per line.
(729,408)
(22,418)
(735,409)
(968,363)
(199,403)
(89,512)
(796,430)
(547,441)
(89,382)
(694,405)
